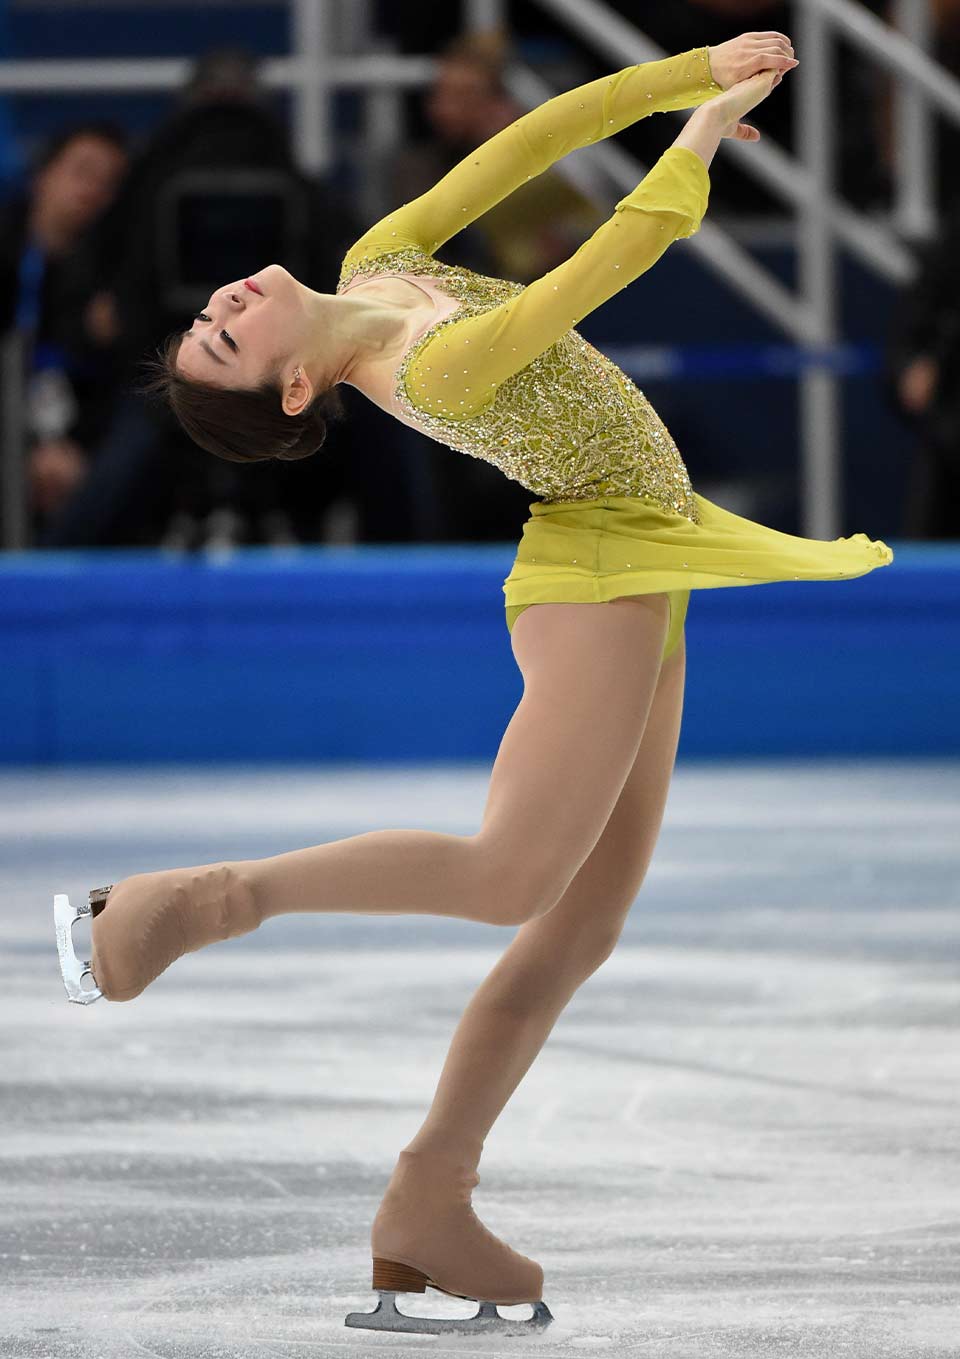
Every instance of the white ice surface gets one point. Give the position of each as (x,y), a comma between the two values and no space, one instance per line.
(740,1140)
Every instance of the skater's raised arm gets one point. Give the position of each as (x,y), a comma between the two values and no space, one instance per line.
(534,142)
(576,118)
(457,372)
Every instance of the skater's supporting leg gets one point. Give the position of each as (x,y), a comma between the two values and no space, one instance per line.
(514,1009)
(589,672)
(426,1215)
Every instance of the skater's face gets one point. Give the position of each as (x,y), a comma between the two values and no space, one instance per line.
(244,337)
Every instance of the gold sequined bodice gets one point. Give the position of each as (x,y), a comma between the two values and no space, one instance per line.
(507,377)
(570,425)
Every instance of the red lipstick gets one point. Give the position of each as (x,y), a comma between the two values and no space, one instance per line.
(249,283)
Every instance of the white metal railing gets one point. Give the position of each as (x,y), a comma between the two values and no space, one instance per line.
(806,183)
(310,78)
(915,148)
(62,75)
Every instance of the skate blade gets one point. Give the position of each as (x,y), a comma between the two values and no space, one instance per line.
(72,969)
(386,1316)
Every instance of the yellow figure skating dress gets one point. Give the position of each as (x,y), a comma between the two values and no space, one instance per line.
(508,379)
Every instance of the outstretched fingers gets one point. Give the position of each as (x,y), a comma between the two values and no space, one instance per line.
(769,50)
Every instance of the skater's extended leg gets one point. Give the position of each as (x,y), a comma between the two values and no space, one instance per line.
(589,676)
(513,1011)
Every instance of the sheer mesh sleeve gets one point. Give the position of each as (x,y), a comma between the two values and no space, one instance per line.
(480,352)
(533,142)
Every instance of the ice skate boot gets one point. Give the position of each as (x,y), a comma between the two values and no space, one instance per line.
(146,922)
(426,1234)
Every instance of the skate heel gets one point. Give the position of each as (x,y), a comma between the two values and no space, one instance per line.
(97,897)
(74,970)
(391,1276)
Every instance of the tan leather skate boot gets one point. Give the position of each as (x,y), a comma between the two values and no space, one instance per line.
(426,1233)
(146,922)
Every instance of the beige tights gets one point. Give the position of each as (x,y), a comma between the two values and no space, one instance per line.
(425,1214)
(590,672)
(514,1009)
(575,804)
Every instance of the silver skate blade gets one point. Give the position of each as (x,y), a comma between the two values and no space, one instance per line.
(387,1317)
(72,969)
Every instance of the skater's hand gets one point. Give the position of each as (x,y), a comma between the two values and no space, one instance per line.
(733,61)
(725,110)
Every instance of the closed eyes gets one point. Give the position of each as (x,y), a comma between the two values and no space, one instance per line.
(202,316)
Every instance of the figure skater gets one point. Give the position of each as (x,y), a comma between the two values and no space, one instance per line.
(578,787)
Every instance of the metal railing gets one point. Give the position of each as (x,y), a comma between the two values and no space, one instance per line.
(806,183)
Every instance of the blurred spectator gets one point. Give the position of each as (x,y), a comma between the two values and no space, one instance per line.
(49,276)
(537,226)
(924,370)
(149,481)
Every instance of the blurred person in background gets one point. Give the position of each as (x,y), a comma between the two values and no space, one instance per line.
(467,102)
(923,370)
(143,472)
(149,485)
(50,270)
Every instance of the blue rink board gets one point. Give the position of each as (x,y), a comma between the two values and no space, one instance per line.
(402,653)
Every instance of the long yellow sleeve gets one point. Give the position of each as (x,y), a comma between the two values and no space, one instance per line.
(533,142)
(458,370)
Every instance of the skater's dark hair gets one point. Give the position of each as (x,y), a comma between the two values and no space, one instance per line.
(241,424)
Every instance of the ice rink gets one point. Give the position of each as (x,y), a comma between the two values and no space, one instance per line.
(742,1139)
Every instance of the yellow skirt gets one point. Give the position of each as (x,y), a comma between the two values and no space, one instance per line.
(591,551)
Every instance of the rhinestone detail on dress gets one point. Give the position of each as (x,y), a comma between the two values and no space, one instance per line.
(570,425)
